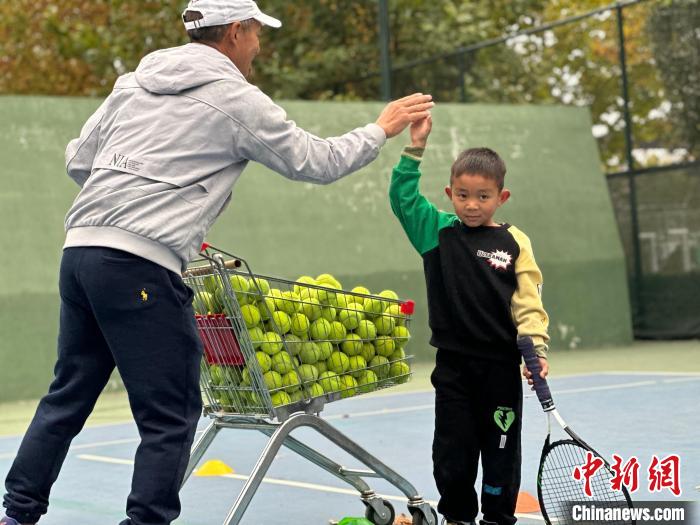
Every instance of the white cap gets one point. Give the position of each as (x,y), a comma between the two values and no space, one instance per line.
(221,12)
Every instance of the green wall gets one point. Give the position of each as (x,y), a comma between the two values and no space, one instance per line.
(560,199)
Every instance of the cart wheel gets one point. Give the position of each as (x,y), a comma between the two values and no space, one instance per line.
(388,519)
(419,519)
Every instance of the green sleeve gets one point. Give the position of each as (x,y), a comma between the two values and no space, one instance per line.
(420,219)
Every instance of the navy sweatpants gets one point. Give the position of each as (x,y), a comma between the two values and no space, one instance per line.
(478,411)
(120,310)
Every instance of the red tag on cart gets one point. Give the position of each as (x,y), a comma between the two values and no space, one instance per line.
(219,340)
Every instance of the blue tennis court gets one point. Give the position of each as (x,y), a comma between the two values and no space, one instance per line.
(639,415)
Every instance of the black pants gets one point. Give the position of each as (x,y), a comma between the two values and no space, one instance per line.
(117,309)
(478,410)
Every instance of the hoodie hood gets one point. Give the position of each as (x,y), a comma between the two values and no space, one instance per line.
(177,69)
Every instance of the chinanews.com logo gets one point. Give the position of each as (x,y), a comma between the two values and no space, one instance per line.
(641,512)
(662,474)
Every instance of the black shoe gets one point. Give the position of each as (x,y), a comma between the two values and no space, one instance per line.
(447,521)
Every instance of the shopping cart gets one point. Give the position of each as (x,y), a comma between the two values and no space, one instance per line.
(276,351)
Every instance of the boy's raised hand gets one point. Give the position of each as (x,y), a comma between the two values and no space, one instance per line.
(420,130)
(404,111)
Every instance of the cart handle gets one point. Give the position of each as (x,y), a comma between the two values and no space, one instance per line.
(206,270)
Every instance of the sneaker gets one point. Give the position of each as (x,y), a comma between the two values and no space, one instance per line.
(446,521)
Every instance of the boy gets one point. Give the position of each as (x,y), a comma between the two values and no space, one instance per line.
(483,291)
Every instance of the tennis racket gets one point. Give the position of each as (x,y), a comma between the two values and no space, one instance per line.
(557,488)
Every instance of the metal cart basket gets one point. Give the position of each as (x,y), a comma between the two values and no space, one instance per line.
(276,351)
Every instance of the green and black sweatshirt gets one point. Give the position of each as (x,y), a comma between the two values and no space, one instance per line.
(483,283)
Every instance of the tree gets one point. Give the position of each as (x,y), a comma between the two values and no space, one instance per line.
(674,27)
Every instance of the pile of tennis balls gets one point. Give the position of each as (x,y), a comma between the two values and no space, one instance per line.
(336,341)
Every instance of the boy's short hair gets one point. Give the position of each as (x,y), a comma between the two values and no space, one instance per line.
(480,161)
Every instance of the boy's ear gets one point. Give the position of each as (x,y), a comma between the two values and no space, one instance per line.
(448,192)
(504,196)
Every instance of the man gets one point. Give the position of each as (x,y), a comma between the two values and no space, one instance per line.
(156,164)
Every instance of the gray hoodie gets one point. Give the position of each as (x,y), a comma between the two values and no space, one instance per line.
(159,158)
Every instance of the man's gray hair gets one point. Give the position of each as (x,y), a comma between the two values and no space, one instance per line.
(212,34)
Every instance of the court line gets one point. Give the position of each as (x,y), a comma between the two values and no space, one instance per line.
(386,393)
(287,483)
(417,408)
(681,380)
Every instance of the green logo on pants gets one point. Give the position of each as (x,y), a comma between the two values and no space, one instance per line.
(504,417)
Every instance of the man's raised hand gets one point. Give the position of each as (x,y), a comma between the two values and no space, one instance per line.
(404,111)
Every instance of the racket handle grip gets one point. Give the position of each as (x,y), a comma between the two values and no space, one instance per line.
(532,362)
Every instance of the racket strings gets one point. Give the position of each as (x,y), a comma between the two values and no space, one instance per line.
(558,488)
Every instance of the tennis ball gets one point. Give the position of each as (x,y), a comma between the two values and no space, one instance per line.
(310,353)
(384,324)
(308,373)
(266,307)
(394,311)
(300,325)
(282,321)
(272,343)
(352,345)
(328,313)
(288,302)
(327,294)
(398,355)
(400,371)
(368,351)
(282,362)
(361,290)
(367,381)
(326,279)
(338,362)
(357,365)
(216,373)
(321,366)
(384,345)
(308,293)
(301,281)
(204,303)
(293,344)
(240,286)
(373,307)
(348,386)
(251,315)
(290,381)
(366,330)
(316,390)
(310,307)
(339,300)
(280,398)
(224,399)
(338,332)
(401,336)
(262,284)
(380,366)
(389,294)
(351,316)
(264,361)
(256,336)
(329,381)
(296,396)
(211,283)
(325,349)
(320,329)
(273,380)
(245,377)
